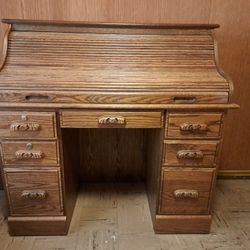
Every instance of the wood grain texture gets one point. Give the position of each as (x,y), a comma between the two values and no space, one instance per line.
(181,223)
(193,125)
(85,119)
(113,154)
(115,203)
(190,180)
(174,67)
(18,180)
(18,124)
(208,150)
(232,42)
(48,151)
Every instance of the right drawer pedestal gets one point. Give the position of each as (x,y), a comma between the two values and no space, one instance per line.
(188,172)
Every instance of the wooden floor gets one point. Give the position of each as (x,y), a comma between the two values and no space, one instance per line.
(111,217)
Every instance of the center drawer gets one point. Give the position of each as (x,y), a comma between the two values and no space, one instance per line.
(34,192)
(30,153)
(111,119)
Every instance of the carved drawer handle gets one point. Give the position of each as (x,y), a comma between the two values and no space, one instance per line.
(190,154)
(193,127)
(26,154)
(186,193)
(109,120)
(34,194)
(24,127)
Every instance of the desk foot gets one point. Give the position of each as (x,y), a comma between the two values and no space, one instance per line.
(182,224)
(57,225)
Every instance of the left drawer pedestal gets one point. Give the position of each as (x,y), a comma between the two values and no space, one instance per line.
(32,173)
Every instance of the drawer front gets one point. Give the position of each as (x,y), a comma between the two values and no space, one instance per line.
(34,192)
(27,125)
(186,192)
(193,125)
(30,153)
(190,153)
(105,119)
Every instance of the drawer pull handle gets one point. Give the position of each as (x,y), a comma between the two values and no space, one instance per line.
(184,99)
(25,154)
(186,193)
(34,195)
(189,154)
(15,127)
(37,98)
(118,120)
(193,127)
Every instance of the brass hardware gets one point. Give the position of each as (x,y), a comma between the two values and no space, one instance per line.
(118,120)
(190,154)
(193,127)
(24,127)
(24,154)
(186,193)
(34,194)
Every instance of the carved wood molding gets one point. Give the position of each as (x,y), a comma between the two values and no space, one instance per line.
(110,120)
(5,46)
(34,194)
(190,154)
(186,193)
(193,127)
(26,154)
(15,127)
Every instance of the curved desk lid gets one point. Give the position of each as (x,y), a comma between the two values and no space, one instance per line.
(111,64)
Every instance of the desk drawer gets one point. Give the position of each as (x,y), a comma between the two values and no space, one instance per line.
(27,125)
(30,153)
(193,125)
(34,192)
(109,119)
(186,191)
(190,153)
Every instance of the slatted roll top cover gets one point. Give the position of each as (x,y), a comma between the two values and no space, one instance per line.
(81,63)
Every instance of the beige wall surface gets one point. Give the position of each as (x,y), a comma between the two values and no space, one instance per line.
(233,38)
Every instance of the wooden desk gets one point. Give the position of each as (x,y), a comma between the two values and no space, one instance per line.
(67,87)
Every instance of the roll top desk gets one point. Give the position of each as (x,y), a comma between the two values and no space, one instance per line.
(56,77)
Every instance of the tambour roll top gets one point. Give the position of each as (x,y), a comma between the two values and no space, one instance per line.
(112,64)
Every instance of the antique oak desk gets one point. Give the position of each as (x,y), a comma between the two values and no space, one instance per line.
(60,83)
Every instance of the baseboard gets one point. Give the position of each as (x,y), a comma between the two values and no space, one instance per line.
(234,173)
(182,224)
(28,226)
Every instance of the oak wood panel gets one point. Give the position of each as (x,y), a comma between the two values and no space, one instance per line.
(42,153)
(232,42)
(193,125)
(113,154)
(208,150)
(113,68)
(181,223)
(17,181)
(234,53)
(199,181)
(154,165)
(27,125)
(106,119)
